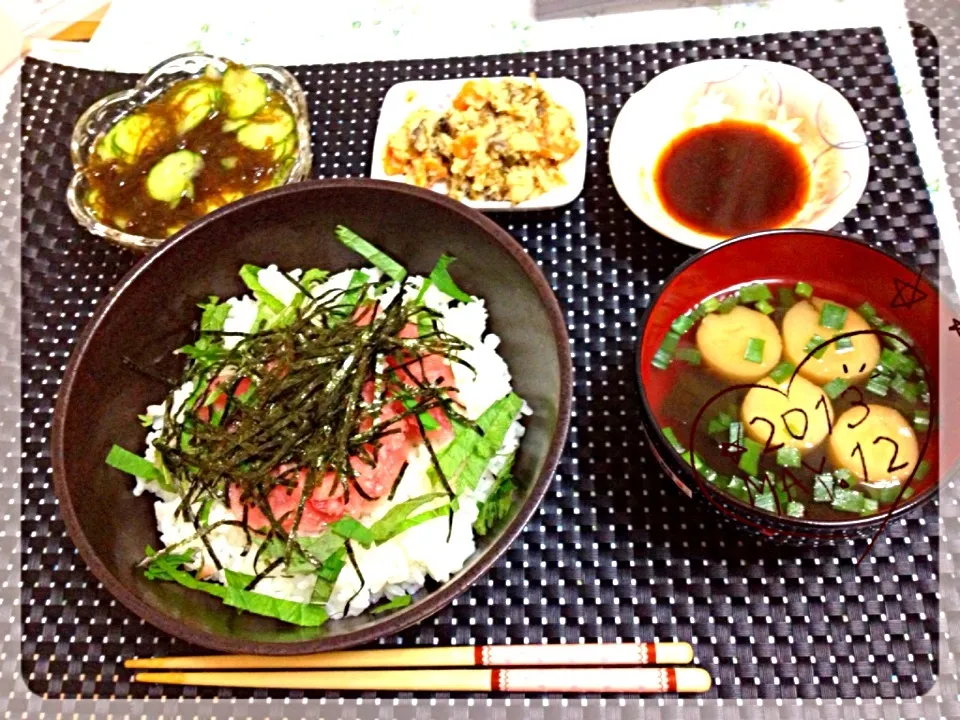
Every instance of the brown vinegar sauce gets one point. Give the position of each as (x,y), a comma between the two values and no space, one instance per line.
(121,187)
(732,177)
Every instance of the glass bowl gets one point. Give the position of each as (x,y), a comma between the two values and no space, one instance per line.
(102,115)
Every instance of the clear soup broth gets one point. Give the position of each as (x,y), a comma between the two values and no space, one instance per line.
(797,403)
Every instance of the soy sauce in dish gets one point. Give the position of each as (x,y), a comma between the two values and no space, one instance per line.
(732,177)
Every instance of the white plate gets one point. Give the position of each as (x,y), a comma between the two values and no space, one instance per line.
(403,98)
(830,135)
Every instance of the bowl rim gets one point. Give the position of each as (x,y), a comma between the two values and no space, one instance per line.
(859,154)
(293,94)
(680,467)
(394,622)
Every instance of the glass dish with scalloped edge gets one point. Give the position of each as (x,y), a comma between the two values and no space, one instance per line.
(106,112)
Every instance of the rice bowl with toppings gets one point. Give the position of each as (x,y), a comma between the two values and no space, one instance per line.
(335,443)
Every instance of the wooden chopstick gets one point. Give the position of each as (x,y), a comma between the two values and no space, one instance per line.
(670,653)
(572,680)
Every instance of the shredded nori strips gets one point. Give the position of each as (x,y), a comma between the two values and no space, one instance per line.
(306,408)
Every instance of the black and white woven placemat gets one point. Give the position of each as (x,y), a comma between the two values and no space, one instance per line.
(614,554)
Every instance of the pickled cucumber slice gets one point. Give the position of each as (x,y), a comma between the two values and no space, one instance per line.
(246,92)
(172,178)
(107,147)
(137,133)
(271,131)
(285,148)
(233,125)
(195,101)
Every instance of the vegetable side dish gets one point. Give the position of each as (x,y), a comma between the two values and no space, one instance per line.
(335,441)
(502,140)
(796,404)
(203,143)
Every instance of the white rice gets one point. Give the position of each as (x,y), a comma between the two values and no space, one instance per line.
(402,564)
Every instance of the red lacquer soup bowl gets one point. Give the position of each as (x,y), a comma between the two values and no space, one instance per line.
(846,271)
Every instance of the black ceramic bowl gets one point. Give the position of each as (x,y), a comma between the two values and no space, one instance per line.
(149,314)
(840,268)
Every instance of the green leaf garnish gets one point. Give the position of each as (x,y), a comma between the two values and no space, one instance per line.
(250,275)
(440,277)
(394,604)
(499,501)
(376,257)
(168,568)
(132,464)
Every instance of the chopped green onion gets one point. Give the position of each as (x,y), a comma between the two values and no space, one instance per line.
(870,506)
(788,457)
(902,340)
(697,461)
(924,391)
(884,491)
(879,385)
(754,351)
(709,305)
(867,311)
(844,478)
(898,362)
(670,342)
(750,460)
(754,293)
(844,344)
(823,488)
(376,257)
(922,470)
(672,439)
(783,372)
(786,298)
(721,423)
(709,474)
(662,359)
(905,389)
(804,290)
(728,304)
(836,387)
(690,355)
(682,324)
(848,500)
(907,494)
(877,322)
(736,432)
(813,343)
(767,501)
(765,307)
(795,509)
(738,489)
(921,420)
(833,317)
(664,355)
